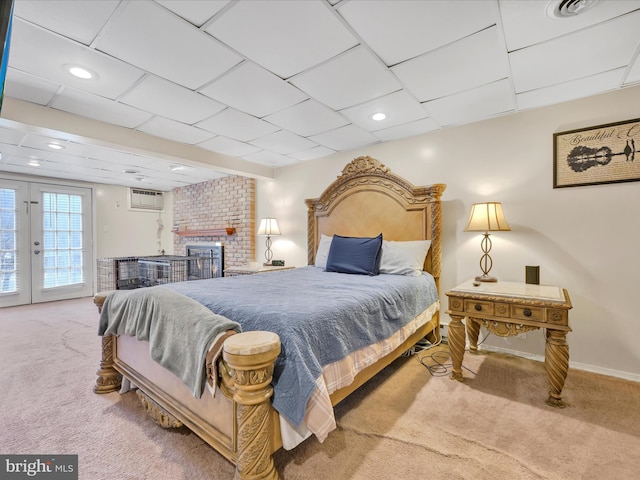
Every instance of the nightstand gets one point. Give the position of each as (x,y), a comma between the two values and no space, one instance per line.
(252,269)
(510,308)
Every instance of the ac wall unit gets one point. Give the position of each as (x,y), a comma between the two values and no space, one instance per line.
(146,199)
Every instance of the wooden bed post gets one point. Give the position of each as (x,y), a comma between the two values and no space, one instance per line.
(109,380)
(251,357)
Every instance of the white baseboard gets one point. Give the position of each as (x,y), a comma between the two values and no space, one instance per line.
(578,366)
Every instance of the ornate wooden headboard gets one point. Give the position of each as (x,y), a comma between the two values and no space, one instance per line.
(367,199)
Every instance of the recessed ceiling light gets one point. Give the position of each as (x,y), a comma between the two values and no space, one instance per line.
(55,146)
(378,116)
(34,163)
(175,168)
(80,72)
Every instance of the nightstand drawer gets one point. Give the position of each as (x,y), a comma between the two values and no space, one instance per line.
(527,313)
(477,307)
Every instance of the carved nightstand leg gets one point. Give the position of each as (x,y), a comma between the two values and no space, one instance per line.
(251,357)
(473,331)
(457,342)
(556,360)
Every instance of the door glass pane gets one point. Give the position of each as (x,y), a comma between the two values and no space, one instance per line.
(8,243)
(62,239)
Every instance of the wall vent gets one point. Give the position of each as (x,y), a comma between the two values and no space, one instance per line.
(146,199)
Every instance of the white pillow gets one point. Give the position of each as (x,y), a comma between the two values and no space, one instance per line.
(323,251)
(404,258)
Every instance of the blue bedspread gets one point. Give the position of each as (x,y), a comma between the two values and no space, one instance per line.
(320,318)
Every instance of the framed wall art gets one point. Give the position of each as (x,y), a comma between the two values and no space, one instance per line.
(602,154)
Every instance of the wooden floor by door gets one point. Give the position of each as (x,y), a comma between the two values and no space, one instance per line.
(45,242)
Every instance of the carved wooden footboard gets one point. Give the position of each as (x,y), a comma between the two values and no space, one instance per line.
(245,374)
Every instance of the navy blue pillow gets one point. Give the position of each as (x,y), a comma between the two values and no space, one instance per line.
(360,255)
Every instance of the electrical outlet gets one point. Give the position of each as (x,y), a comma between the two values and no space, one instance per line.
(444,332)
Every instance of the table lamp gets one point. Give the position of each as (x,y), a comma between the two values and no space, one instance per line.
(268,226)
(486,217)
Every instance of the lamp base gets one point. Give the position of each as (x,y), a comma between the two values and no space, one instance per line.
(485,278)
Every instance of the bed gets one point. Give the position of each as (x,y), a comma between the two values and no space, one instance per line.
(253,398)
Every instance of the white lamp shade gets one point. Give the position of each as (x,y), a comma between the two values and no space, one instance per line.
(487,217)
(268,226)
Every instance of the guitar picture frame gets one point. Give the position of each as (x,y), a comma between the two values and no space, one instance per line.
(608,153)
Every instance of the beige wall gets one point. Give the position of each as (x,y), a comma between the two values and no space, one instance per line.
(122,232)
(585,239)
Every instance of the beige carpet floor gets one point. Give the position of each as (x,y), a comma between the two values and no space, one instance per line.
(405,424)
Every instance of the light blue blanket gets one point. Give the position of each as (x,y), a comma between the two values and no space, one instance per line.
(179,330)
(320,318)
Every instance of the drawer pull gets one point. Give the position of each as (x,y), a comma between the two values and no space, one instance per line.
(527,312)
(478,307)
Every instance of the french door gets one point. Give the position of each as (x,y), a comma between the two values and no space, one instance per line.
(45,242)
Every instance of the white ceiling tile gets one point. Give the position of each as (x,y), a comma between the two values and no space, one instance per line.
(634,73)
(11,136)
(286,37)
(25,151)
(283,142)
(345,138)
(42,142)
(237,125)
(349,79)
(564,92)
(29,88)
(425,26)
(526,23)
(253,90)
(407,130)
(44,54)
(194,11)
(541,65)
(472,105)
(162,97)
(315,152)
(270,159)
(99,108)
(465,64)
(228,146)
(308,118)
(139,34)
(79,21)
(176,131)
(399,107)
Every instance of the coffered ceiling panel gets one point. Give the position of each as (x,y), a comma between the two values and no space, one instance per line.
(245,86)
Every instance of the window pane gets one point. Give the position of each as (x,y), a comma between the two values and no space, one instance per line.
(62,242)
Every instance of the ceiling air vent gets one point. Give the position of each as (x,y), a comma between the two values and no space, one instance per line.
(569,8)
(146,199)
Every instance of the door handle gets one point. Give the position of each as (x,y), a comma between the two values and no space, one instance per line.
(36,252)
(36,243)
